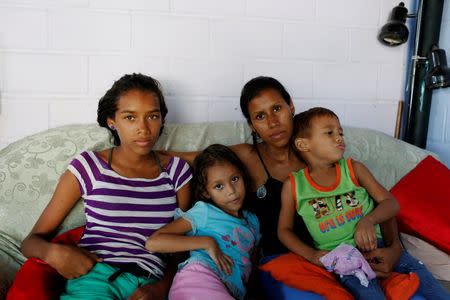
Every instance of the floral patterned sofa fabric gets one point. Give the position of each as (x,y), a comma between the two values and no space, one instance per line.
(30,168)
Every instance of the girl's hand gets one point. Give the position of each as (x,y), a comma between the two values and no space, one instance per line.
(70,261)
(222,261)
(365,235)
(315,258)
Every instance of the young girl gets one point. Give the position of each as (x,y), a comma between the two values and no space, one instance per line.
(129,192)
(220,233)
(335,197)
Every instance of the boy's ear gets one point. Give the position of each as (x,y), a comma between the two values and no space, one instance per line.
(301,144)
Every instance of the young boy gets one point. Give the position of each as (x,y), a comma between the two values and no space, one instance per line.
(335,197)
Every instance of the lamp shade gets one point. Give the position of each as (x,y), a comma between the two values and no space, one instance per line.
(439,73)
(395,32)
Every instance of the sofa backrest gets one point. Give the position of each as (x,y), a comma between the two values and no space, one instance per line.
(30,167)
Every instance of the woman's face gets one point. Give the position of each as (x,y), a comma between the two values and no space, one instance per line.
(271,117)
(138,121)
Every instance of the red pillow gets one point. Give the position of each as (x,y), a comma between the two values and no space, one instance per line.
(36,279)
(424,198)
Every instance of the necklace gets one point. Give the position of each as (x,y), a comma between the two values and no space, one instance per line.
(261,191)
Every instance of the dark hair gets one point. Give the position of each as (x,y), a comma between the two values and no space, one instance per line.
(253,88)
(107,106)
(303,120)
(211,156)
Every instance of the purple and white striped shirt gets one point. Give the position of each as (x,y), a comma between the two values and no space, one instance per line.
(123,212)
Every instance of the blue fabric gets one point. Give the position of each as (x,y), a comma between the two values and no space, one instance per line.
(236,238)
(274,289)
(429,287)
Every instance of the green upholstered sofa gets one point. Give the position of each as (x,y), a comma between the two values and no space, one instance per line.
(30,168)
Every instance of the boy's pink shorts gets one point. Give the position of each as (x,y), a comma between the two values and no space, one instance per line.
(197,282)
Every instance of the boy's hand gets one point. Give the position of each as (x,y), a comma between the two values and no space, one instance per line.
(315,258)
(223,261)
(71,261)
(365,235)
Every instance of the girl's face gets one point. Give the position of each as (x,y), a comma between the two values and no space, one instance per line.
(271,117)
(225,187)
(137,121)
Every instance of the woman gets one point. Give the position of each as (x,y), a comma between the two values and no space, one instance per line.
(269,111)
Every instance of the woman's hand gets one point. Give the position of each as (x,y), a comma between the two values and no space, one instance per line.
(383,260)
(365,235)
(223,261)
(70,261)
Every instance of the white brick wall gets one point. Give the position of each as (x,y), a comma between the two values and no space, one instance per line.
(57,57)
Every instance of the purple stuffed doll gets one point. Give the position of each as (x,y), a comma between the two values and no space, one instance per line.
(347,260)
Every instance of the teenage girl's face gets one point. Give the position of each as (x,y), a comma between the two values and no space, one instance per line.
(225,187)
(326,140)
(271,117)
(138,121)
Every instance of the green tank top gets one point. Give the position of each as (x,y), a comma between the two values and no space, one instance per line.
(331,213)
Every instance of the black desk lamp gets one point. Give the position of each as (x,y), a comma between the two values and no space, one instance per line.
(429,64)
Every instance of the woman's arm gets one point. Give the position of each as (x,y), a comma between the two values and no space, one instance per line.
(383,260)
(286,224)
(69,261)
(184,197)
(241,150)
(187,156)
(386,208)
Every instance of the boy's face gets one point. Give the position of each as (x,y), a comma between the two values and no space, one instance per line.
(325,142)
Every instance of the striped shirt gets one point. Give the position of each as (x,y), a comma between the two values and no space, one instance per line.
(121,213)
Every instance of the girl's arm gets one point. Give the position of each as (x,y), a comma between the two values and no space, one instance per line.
(69,261)
(386,208)
(286,224)
(171,238)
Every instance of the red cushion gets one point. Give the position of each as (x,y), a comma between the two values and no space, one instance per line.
(297,272)
(424,198)
(36,279)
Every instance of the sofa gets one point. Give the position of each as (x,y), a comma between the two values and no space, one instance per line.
(30,168)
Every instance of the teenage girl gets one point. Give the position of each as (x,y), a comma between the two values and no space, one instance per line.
(129,192)
(218,230)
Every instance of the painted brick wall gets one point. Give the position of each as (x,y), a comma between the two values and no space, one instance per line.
(57,57)
(439,127)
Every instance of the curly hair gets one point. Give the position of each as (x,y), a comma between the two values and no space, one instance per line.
(107,106)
